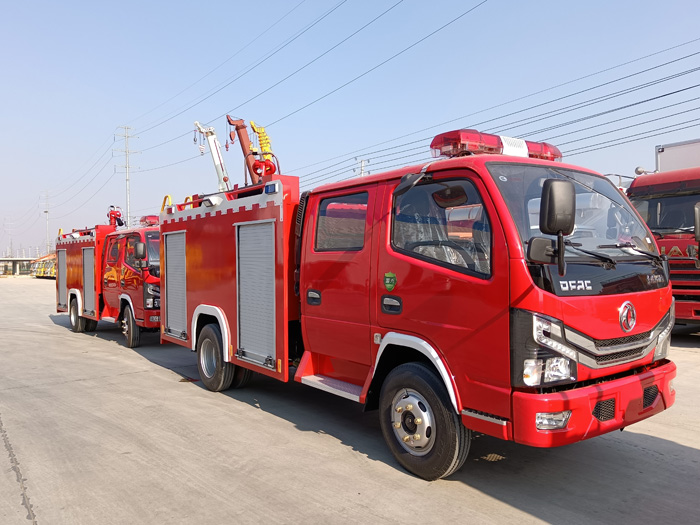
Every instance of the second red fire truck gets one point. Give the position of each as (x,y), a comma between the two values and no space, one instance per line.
(494,290)
(108,274)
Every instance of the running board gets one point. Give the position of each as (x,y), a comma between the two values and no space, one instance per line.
(334,386)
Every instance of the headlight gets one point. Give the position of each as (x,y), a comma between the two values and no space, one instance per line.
(153,289)
(663,342)
(539,353)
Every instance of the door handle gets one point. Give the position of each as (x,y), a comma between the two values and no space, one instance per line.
(122,282)
(313,297)
(391,304)
(105,280)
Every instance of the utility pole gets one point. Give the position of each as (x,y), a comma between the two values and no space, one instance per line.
(363,162)
(46,211)
(126,168)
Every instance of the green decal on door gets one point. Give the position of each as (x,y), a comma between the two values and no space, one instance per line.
(389,281)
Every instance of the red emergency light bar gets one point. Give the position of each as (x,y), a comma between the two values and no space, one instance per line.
(471,142)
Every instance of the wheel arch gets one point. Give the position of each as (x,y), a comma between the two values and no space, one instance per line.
(75,292)
(206,314)
(125,300)
(397,349)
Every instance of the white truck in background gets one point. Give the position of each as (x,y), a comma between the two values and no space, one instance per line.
(678,155)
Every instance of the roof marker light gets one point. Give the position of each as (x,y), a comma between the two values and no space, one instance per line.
(471,142)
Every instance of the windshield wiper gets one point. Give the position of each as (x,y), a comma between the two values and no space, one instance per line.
(633,246)
(656,232)
(599,256)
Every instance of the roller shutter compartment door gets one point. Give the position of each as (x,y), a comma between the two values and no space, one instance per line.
(256,293)
(61,279)
(175,285)
(89,281)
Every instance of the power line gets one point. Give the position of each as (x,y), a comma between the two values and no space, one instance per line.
(441,124)
(378,65)
(318,20)
(576,151)
(255,39)
(312,61)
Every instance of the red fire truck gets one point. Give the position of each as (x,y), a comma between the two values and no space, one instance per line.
(111,275)
(669,202)
(483,292)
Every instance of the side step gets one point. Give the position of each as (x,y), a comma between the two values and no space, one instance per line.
(334,386)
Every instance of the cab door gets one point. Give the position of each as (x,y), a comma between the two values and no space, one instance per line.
(131,277)
(111,276)
(335,281)
(443,277)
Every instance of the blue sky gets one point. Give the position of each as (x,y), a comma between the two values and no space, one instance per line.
(74,71)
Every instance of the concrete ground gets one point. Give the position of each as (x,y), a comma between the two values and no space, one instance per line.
(92,432)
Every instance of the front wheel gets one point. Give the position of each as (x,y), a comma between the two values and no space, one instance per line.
(131,331)
(419,424)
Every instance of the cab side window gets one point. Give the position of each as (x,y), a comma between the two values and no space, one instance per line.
(340,224)
(113,251)
(446,223)
(130,251)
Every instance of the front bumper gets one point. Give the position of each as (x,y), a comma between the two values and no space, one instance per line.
(595,409)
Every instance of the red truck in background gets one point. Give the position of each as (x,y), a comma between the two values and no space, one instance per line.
(484,292)
(669,203)
(112,275)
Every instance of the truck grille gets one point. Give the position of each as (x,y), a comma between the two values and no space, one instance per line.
(604,410)
(604,343)
(630,355)
(601,353)
(650,394)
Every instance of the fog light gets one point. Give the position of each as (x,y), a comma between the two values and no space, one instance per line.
(557,369)
(671,388)
(149,302)
(532,372)
(552,420)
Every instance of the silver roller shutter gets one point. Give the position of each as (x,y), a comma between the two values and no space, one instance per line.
(89,281)
(256,293)
(175,285)
(61,279)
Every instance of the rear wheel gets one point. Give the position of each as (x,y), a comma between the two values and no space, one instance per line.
(419,424)
(77,323)
(90,324)
(131,331)
(216,374)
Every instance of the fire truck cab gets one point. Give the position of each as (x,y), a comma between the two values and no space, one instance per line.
(111,275)
(484,292)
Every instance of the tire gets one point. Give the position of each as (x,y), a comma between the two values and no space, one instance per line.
(415,399)
(131,331)
(90,324)
(77,323)
(216,374)
(241,376)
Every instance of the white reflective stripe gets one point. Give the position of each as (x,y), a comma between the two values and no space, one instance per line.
(78,295)
(217,312)
(514,147)
(128,300)
(393,338)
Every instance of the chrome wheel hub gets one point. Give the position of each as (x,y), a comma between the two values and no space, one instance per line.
(412,421)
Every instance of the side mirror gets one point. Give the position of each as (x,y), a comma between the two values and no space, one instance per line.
(558,207)
(542,250)
(140,251)
(558,214)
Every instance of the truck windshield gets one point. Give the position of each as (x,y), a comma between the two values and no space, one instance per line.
(153,248)
(667,213)
(606,226)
